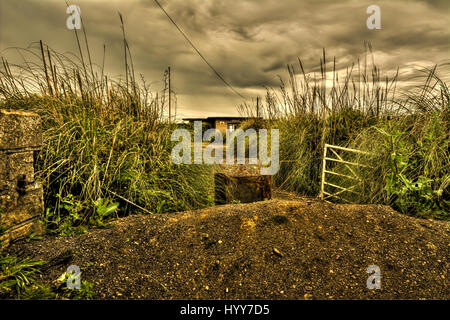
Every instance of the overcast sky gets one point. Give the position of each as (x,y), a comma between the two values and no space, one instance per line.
(249,42)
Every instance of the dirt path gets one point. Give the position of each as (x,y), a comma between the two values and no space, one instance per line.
(275,249)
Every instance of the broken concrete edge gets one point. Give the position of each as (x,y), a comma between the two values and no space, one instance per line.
(21,231)
(239,170)
(244,189)
(21,197)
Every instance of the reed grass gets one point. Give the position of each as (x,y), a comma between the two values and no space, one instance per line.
(102,137)
(365,109)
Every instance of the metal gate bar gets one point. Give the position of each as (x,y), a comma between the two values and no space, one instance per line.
(326,195)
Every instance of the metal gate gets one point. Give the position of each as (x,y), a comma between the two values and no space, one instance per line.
(353,176)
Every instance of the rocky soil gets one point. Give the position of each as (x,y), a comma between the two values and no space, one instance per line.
(276,249)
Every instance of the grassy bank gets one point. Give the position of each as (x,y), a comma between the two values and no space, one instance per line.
(107,146)
(406,130)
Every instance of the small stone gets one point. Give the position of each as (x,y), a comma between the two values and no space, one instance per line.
(277,252)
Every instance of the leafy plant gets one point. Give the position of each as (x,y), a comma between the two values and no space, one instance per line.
(411,196)
(66,222)
(33,236)
(58,290)
(86,292)
(16,274)
(104,208)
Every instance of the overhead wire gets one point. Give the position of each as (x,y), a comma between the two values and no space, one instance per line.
(199,53)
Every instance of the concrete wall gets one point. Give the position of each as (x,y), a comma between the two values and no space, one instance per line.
(241,182)
(21,196)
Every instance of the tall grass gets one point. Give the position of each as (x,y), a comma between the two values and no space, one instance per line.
(103,138)
(405,129)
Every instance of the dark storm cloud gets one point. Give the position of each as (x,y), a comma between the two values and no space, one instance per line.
(249,42)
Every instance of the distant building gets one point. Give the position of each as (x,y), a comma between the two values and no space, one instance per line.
(220,123)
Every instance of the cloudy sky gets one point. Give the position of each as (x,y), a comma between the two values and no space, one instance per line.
(249,42)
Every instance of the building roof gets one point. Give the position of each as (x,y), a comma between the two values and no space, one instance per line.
(218,118)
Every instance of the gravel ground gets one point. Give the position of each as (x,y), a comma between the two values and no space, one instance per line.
(276,249)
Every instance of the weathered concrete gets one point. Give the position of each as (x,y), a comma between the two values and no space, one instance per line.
(21,197)
(241,183)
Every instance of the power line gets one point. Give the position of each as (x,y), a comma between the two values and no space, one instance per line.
(199,53)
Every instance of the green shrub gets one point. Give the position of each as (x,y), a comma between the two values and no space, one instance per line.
(417,178)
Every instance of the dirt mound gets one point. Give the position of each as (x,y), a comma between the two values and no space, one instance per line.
(273,249)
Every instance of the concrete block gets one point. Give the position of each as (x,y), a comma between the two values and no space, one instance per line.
(244,189)
(21,197)
(19,130)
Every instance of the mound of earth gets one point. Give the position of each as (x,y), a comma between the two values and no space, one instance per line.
(273,249)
